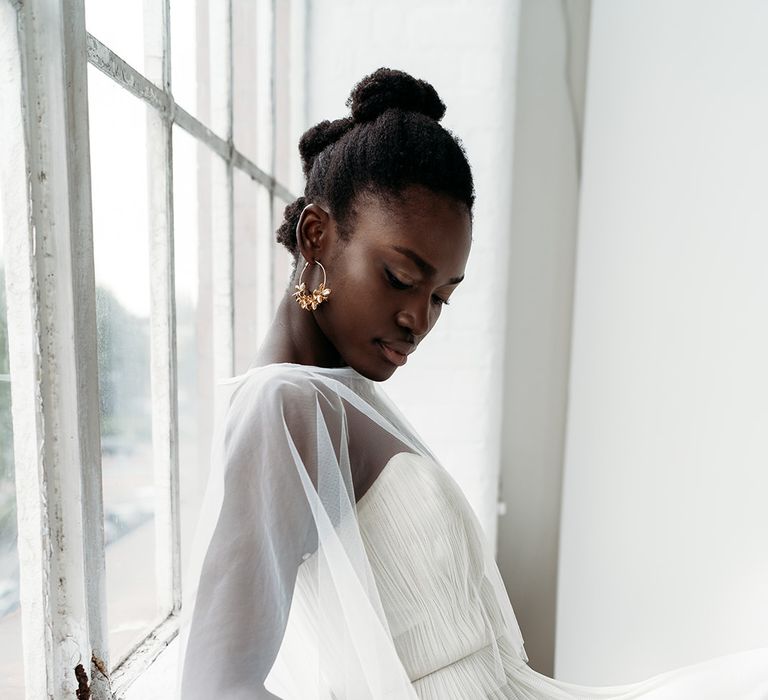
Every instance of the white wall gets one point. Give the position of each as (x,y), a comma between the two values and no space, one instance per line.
(551,67)
(451,388)
(663,553)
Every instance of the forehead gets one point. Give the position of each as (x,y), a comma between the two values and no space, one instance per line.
(435,227)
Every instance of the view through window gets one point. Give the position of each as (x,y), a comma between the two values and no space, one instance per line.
(183,100)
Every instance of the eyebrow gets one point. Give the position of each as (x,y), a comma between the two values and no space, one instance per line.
(422,264)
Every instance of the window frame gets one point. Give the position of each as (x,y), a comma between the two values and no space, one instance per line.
(52,314)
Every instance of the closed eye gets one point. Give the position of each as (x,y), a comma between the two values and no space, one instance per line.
(399,284)
(395,282)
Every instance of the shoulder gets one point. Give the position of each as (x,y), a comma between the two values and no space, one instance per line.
(272,406)
(277,389)
(280,413)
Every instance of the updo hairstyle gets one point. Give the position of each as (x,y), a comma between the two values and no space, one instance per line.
(392,139)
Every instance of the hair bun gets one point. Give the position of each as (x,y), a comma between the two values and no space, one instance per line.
(393,89)
(316,139)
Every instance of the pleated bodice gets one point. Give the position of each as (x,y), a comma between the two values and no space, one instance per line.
(427,557)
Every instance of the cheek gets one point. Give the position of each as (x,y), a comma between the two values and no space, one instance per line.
(359,288)
(358,303)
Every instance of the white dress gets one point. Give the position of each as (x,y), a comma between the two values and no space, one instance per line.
(394,596)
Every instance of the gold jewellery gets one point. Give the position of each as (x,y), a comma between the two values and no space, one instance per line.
(318,295)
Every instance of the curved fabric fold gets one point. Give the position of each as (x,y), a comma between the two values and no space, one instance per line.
(335,559)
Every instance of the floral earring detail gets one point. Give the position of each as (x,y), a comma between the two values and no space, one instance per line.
(318,295)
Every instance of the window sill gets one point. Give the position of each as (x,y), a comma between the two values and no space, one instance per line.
(158,682)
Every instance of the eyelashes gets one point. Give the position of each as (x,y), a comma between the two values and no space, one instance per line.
(395,282)
(398,284)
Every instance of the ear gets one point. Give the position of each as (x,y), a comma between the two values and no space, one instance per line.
(314,233)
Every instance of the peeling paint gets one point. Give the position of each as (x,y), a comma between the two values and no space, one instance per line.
(116,68)
(83,692)
(99,664)
(61,614)
(46,213)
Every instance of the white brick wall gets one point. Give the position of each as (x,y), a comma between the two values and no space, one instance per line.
(451,388)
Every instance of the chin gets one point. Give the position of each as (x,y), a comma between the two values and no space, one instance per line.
(372,367)
(375,373)
(383,376)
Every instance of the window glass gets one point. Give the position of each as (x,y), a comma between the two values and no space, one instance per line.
(251,221)
(196,64)
(192,239)
(121,259)
(282,260)
(262,266)
(285,148)
(119,25)
(184,54)
(252,103)
(11,660)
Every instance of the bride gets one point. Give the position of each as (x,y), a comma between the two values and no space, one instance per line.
(335,558)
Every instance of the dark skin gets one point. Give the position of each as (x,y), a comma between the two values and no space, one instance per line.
(378,295)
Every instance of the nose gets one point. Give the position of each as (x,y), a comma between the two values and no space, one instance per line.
(415,318)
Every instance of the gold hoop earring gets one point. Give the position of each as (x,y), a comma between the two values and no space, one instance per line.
(318,295)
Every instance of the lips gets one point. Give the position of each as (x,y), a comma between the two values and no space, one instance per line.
(396,353)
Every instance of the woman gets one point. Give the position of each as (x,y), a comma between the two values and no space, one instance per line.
(335,557)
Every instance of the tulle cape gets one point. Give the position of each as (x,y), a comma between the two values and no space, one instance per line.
(294,445)
(280,599)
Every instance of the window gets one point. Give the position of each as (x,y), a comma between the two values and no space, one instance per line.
(144,172)
(10,615)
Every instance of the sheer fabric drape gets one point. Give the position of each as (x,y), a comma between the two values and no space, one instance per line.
(279,505)
(297,591)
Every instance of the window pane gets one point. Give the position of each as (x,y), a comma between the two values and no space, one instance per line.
(286,151)
(262,266)
(11,660)
(192,227)
(119,25)
(184,54)
(252,48)
(121,256)
(194,75)
(282,262)
(252,219)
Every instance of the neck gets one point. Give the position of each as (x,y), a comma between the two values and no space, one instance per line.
(295,336)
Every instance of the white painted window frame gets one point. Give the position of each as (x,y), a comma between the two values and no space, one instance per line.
(52,318)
